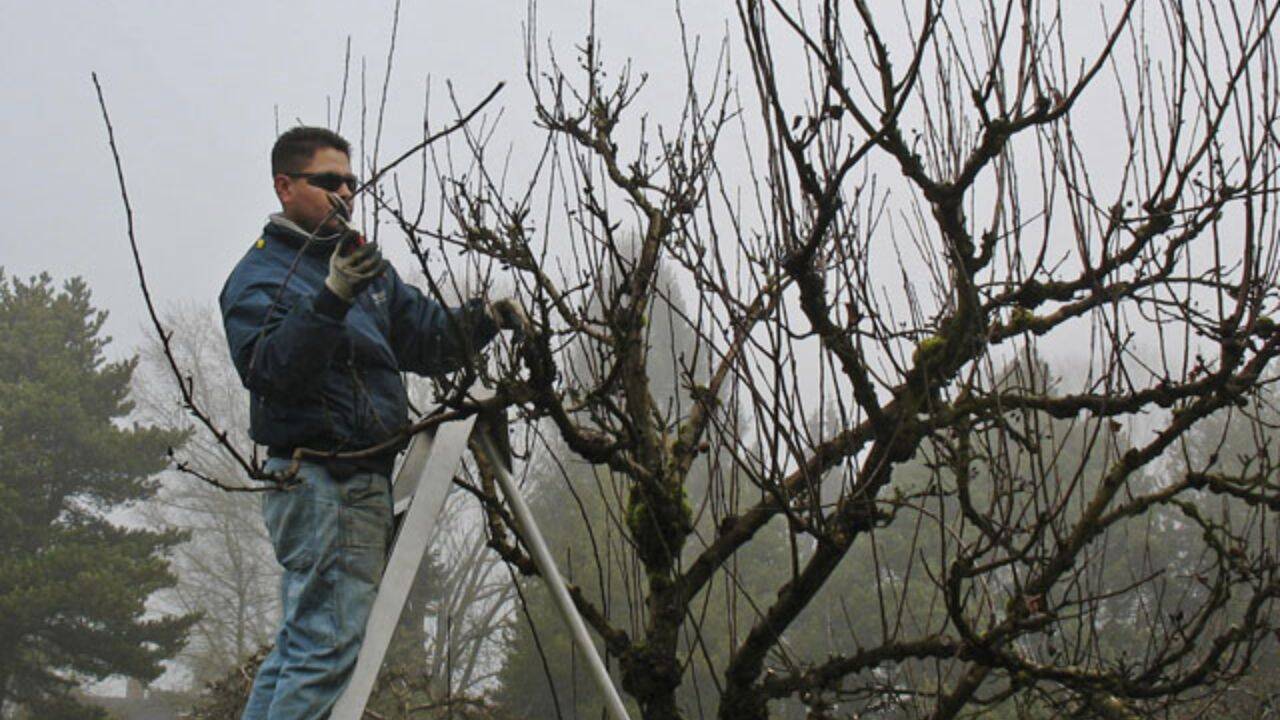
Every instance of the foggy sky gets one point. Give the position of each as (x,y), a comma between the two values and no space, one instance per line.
(195,90)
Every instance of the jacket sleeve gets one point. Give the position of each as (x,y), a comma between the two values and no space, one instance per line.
(284,354)
(430,339)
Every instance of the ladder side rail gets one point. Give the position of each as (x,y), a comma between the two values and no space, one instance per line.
(551,575)
(434,477)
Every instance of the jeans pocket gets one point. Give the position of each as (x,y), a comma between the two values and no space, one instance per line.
(290,518)
(366,525)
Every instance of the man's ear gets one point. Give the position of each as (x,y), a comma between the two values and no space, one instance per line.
(284,188)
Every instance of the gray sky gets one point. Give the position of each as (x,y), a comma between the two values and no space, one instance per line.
(193,90)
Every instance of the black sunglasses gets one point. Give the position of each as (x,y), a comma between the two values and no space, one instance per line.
(330,181)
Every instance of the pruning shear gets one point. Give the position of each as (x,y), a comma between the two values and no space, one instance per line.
(352,238)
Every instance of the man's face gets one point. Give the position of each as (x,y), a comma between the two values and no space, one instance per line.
(307,204)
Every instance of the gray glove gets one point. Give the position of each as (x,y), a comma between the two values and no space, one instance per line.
(508,315)
(351,271)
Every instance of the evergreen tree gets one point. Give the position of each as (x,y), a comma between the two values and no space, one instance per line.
(73,584)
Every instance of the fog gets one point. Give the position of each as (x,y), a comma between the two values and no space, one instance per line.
(196,93)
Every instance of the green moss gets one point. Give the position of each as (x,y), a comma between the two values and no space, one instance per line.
(637,511)
(929,350)
(659,526)
(1021,318)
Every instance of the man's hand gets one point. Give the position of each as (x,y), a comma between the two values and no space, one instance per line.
(352,272)
(508,315)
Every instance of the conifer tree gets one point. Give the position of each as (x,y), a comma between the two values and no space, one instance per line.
(74,583)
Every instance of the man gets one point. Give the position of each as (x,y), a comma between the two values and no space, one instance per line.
(320,328)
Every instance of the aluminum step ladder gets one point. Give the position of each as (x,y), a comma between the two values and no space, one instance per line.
(420,486)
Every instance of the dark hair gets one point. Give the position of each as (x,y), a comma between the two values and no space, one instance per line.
(294,149)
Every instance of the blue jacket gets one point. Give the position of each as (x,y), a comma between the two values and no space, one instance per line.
(325,374)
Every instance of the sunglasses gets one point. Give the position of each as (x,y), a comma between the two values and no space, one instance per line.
(329,181)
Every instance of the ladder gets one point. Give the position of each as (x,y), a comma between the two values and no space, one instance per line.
(419,489)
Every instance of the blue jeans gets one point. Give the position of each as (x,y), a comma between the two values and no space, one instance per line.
(331,538)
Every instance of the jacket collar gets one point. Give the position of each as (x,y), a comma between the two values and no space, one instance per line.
(288,232)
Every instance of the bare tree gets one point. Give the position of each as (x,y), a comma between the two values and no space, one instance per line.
(878,244)
(911,207)
(226,571)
